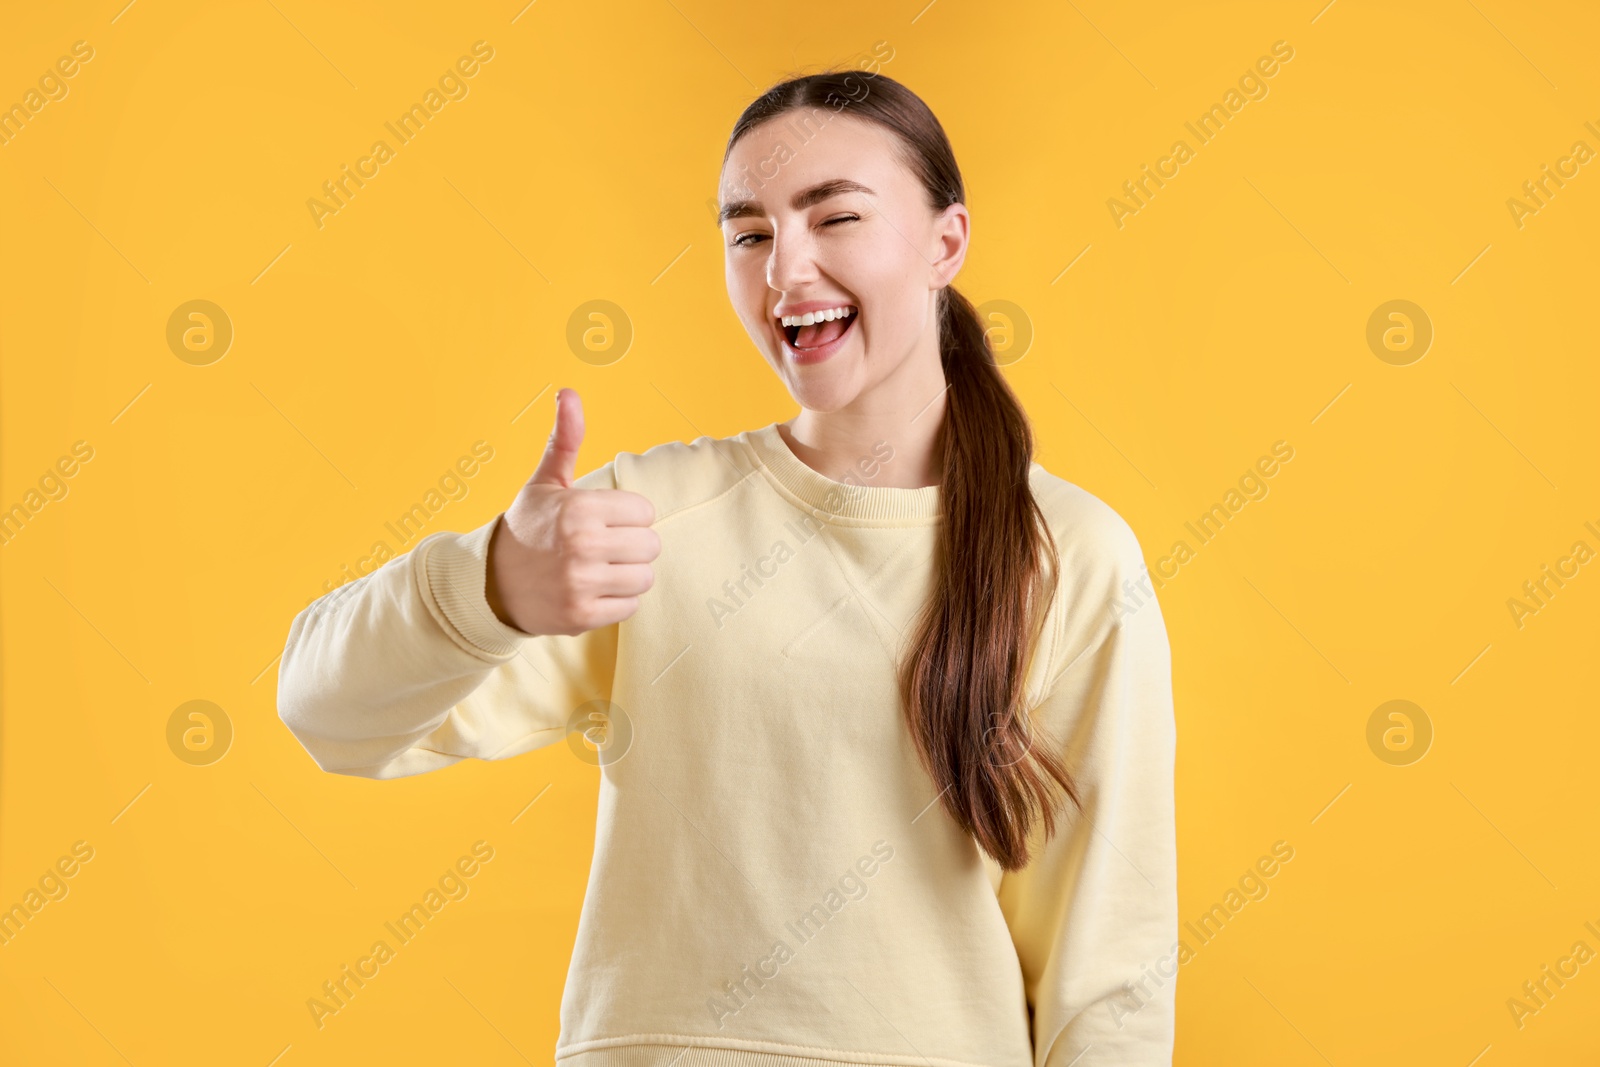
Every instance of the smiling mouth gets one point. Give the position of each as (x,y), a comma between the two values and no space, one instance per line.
(817,335)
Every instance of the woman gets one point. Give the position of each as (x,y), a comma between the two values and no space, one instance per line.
(886,758)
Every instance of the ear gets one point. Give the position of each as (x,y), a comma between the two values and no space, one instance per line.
(951,231)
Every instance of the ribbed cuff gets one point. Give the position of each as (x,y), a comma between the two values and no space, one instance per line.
(655,1049)
(456,567)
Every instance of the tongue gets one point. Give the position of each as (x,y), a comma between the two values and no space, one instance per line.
(821,333)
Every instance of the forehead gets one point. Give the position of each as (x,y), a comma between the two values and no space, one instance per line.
(801,148)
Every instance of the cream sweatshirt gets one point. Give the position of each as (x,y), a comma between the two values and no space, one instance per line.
(774,882)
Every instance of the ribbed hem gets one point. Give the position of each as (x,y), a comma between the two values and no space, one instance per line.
(831,500)
(456,569)
(657,1053)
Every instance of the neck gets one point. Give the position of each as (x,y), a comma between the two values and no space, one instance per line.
(904,415)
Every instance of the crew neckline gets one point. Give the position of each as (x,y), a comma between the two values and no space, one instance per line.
(835,499)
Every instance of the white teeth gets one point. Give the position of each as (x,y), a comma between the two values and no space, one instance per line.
(811,318)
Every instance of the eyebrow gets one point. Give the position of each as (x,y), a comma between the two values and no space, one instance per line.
(740,209)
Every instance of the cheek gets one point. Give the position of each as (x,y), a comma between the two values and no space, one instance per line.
(882,271)
(888,288)
(744,293)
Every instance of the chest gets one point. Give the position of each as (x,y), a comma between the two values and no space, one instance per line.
(773,639)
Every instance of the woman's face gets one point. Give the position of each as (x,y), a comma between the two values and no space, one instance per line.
(836,221)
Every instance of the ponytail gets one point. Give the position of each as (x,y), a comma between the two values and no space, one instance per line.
(963,685)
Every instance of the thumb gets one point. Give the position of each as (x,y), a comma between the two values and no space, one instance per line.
(561,454)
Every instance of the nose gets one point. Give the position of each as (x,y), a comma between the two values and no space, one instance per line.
(790,263)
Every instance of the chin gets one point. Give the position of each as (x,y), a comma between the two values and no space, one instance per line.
(821,392)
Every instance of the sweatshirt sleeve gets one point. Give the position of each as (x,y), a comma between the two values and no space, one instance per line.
(1094,914)
(407,669)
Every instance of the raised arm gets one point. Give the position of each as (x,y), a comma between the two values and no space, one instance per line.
(409,668)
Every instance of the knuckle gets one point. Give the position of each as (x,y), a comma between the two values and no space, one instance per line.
(572,524)
(584,548)
(645,507)
(587,616)
(571,600)
(561,514)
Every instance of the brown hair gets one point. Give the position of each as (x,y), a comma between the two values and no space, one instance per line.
(963,683)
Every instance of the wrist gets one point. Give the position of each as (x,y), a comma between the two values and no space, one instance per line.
(490,593)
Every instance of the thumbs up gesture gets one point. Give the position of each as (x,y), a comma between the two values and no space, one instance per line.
(565,560)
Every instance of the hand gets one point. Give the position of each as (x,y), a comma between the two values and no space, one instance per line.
(565,560)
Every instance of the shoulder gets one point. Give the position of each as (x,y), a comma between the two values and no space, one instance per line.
(1089,533)
(1102,583)
(675,475)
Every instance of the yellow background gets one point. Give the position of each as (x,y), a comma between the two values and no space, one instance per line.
(431,311)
